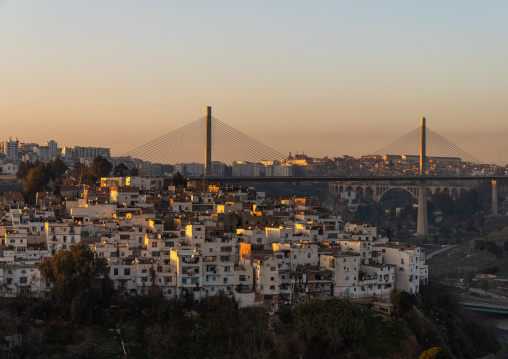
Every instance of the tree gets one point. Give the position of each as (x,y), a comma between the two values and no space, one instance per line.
(77,280)
(121,170)
(178,180)
(35,181)
(479,245)
(58,169)
(80,170)
(444,202)
(100,167)
(492,247)
(402,301)
(468,203)
(24,168)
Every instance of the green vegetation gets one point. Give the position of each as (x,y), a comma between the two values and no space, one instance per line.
(151,326)
(100,167)
(464,337)
(121,170)
(178,180)
(486,254)
(36,176)
(77,280)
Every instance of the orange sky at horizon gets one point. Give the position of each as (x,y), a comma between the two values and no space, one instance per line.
(328,79)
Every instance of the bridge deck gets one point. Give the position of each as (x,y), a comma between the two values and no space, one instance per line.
(352,178)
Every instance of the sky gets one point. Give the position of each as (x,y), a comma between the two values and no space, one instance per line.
(325,77)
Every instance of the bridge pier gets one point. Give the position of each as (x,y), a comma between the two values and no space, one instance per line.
(422,225)
(494,197)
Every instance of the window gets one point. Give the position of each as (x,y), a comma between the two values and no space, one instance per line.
(272,279)
(402,261)
(64,246)
(126,271)
(23,280)
(272,287)
(154,244)
(272,269)
(115,271)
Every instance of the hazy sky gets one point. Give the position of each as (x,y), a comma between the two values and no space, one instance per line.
(324,77)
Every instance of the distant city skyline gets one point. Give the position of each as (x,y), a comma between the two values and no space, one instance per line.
(327,79)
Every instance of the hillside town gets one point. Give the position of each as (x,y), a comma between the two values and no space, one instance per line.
(203,240)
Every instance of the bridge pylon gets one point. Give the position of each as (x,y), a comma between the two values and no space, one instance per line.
(422,224)
(208,148)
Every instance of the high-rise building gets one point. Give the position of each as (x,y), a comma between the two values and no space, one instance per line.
(53,149)
(11,149)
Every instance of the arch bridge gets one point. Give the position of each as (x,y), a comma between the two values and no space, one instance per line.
(376,192)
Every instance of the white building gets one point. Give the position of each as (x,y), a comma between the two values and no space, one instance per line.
(11,149)
(190,169)
(248,169)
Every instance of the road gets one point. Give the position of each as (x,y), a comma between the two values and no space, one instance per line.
(432,254)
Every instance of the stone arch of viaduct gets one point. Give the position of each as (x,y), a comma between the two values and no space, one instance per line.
(377,191)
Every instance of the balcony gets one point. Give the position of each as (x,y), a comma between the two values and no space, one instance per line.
(190,260)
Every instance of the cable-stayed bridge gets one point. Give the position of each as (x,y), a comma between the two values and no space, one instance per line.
(188,144)
(209,140)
